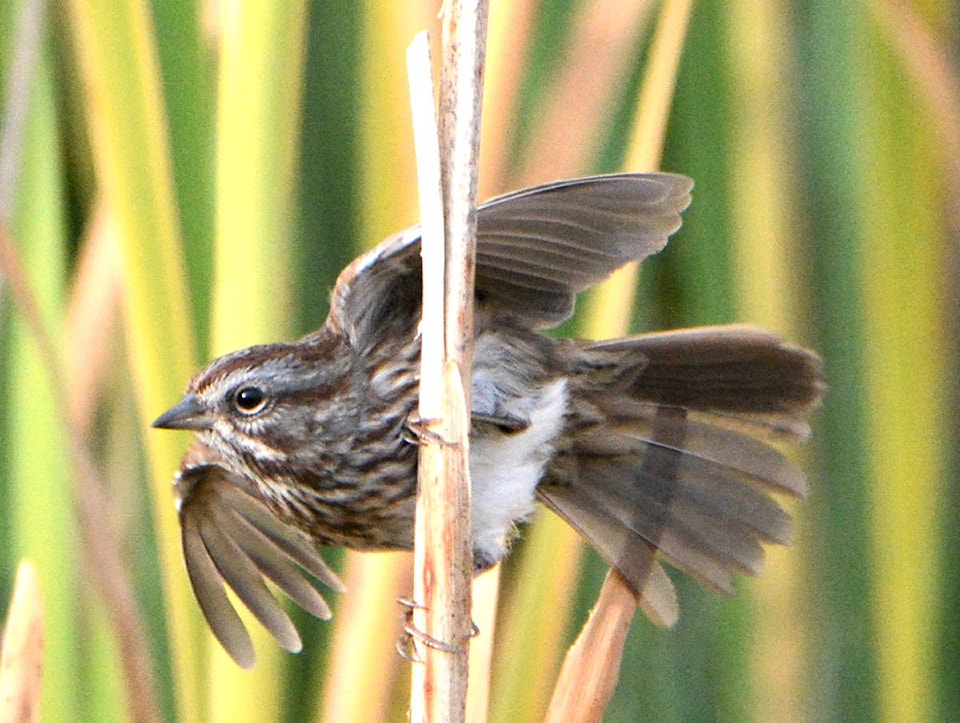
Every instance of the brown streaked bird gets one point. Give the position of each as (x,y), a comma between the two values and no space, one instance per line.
(654,446)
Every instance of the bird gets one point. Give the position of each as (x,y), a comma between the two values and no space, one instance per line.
(662,446)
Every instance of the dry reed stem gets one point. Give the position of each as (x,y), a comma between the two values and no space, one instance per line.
(101,548)
(21,659)
(590,671)
(441,549)
(447,161)
(460,113)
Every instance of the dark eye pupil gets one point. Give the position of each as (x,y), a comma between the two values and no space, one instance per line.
(249,398)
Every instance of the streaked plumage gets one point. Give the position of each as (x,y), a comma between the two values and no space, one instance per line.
(654,446)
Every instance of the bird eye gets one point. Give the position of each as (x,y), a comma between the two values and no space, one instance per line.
(249,400)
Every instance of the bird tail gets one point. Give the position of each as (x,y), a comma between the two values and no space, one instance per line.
(670,451)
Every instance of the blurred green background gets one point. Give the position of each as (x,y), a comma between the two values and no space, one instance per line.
(181,178)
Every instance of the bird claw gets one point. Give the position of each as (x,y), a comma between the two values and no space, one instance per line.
(416,430)
(411,633)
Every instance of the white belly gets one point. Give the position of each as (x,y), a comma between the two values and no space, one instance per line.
(505,470)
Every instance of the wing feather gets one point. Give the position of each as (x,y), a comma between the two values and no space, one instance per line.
(536,249)
(228,535)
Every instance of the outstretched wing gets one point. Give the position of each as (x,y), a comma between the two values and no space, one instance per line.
(230,535)
(536,249)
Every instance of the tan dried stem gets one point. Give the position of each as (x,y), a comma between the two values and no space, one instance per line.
(447,183)
(21,659)
(100,544)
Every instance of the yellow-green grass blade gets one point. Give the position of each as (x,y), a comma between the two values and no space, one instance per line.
(39,519)
(325,242)
(186,47)
(535,617)
(903,275)
(258,120)
(117,59)
(769,291)
(386,132)
(829,138)
(331,214)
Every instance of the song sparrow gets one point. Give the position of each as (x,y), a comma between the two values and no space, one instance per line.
(658,444)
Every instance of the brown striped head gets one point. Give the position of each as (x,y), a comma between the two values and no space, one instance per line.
(267,402)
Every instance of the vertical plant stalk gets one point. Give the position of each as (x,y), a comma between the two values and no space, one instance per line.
(461,105)
(589,674)
(21,659)
(442,559)
(438,690)
(461,110)
(905,353)
(935,73)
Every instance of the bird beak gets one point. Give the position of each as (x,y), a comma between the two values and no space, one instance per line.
(190,413)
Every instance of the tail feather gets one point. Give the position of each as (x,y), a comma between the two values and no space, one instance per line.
(676,457)
(738,369)
(630,428)
(630,554)
(657,508)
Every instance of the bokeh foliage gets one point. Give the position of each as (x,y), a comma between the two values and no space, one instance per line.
(192,175)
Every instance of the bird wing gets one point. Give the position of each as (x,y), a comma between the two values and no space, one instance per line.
(536,249)
(230,535)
